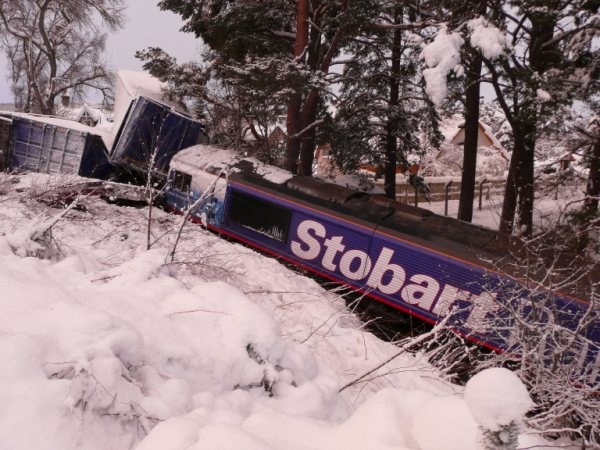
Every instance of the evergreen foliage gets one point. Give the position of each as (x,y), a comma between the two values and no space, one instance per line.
(383,114)
(506,438)
(552,61)
(259,52)
(350,74)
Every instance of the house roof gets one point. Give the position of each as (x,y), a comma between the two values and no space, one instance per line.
(75,113)
(487,131)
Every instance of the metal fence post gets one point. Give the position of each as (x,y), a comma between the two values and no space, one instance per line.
(481,192)
(416,196)
(446,194)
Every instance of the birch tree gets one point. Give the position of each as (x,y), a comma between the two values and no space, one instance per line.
(55,47)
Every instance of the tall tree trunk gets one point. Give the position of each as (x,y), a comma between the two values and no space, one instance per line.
(311,102)
(391,162)
(391,139)
(308,141)
(467,186)
(592,191)
(526,177)
(519,189)
(509,205)
(323,58)
(293,111)
(543,56)
(293,125)
(46,98)
(292,151)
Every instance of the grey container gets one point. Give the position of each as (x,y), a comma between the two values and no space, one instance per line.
(46,148)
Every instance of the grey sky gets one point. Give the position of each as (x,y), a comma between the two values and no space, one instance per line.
(146,26)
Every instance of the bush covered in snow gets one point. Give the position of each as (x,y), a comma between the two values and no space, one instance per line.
(498,401)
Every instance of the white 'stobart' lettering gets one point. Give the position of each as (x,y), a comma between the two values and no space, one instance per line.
(334,246)
(383,266)
(311,248)
(422,292)
(383,275)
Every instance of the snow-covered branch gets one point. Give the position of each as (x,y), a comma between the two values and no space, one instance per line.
(411,343)
(307,129)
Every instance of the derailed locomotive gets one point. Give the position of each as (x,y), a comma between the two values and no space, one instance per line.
(409,258)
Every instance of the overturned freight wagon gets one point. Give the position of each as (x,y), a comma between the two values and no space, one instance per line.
(5,125)
(147,131)
(50,145)
(151,134)
(149,128)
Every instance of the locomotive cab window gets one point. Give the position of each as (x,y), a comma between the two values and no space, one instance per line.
(260,216)
(181,181)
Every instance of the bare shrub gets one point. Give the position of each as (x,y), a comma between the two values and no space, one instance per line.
(551,336)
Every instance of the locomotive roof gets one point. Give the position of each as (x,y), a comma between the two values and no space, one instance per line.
(208,158)
(417,222)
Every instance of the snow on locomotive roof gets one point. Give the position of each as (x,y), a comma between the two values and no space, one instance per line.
(208,158)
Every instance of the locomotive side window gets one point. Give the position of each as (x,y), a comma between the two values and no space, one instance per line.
(259,215)
(181,181)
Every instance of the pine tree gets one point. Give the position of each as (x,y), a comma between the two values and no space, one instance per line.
(282,50)
(548,65)
(549,61)
(472,62)
(383,112)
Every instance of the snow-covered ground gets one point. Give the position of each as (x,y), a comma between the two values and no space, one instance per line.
(104,346)
(548,207)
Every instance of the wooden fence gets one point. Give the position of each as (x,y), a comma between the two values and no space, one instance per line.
(442,187)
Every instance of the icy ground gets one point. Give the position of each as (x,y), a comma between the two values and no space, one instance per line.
(104,346)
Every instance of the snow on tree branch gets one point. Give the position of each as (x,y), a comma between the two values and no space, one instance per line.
(441,56)
(486,37)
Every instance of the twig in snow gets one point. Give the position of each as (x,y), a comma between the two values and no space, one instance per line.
(439,326)
(197,310)
(188,212)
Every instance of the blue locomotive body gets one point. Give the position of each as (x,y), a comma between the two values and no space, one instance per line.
(374,250)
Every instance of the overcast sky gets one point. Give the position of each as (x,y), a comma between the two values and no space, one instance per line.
(146,26)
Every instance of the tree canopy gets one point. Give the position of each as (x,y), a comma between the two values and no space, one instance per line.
(369,78)
(55,47)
